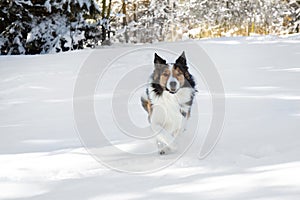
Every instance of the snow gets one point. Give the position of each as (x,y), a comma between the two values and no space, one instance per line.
(84,2)
(19,44)
(257,156)
(25,2)
(48,6)
(2,41)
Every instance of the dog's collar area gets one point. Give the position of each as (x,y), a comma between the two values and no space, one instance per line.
(171,92)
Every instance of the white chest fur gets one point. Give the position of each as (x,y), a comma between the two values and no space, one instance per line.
(167,110)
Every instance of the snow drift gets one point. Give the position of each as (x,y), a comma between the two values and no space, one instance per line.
(257,156)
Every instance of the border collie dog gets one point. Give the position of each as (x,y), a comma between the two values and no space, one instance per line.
(168,99)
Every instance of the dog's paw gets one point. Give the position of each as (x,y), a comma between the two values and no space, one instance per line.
(166,151)
(165,148)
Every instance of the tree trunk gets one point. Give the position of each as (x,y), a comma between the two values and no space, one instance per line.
(125,20)
(134,17)
(108,16)
(104,20)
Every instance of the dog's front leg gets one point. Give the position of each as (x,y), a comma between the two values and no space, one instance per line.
(159,123)
(165,140)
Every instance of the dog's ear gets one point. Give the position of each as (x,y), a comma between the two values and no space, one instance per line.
(158,60)
(181,61)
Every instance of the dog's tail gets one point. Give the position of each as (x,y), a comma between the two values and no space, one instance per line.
(144,103)
(147,105)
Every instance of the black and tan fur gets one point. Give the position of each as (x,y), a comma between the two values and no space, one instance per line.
(172,88)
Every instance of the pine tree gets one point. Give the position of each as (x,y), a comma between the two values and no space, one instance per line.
(13,30)
(32,27)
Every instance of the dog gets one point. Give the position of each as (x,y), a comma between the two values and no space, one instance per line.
(168,100)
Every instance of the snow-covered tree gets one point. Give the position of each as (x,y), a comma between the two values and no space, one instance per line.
(240,17)
(43,26)
(36,26)
(146,21)
(295,21)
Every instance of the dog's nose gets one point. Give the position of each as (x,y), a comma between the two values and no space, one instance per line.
(172,84)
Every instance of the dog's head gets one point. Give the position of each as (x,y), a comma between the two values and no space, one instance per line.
(171,76)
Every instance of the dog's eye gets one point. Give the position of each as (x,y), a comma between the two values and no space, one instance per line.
(165,74)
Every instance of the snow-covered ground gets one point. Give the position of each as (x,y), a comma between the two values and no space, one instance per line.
(257,157)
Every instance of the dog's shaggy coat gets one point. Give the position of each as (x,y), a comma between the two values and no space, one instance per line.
(168,100)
